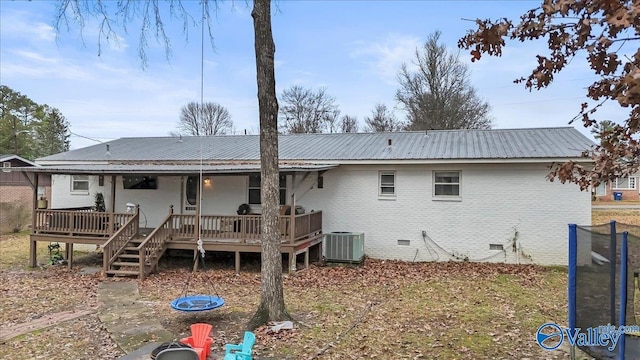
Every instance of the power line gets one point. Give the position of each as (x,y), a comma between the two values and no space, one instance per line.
(541,101)
(88,138)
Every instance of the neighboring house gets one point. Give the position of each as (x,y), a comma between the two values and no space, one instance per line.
(16,192)
(627,187)
(480,195)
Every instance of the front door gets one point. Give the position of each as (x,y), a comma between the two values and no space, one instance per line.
(189,205)
(190,195)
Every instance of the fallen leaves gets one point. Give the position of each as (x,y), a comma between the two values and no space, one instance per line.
(378,310)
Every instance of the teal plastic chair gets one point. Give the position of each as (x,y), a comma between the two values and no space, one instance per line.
(241,351)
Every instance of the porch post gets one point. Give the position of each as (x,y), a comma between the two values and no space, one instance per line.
(197,220)
(112,208)
(171,227)
(306,258)
(69,248)
(292,262)
(292,213)
(237,262)
(33,246)
(34,215)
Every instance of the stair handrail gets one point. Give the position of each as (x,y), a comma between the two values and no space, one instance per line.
(113,247)
(155,241)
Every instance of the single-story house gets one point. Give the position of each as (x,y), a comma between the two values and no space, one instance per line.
(478,195)
(16,192)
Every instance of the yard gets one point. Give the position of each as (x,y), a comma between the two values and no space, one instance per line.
(629,217)
(379,310)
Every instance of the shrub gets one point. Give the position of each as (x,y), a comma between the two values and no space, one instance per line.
(15,216)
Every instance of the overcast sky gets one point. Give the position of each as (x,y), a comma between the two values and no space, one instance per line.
(353,48)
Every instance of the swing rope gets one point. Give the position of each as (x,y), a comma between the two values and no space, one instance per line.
(197,302)
(200,257)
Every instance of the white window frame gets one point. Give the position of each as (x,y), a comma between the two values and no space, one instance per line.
(632,183)
(392,186)
(77,179)
(6,166)
(446,197)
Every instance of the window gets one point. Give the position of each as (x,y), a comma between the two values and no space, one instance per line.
(600,189)
(446,183)
(6,166)
(624,183)
(254,189)
(80,183)
(387,183)
(140,182)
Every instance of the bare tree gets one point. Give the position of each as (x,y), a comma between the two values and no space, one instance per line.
(206,119)
(437,94)
(349,124)
(272,306)
(382,120)
(608,34)
(306,111)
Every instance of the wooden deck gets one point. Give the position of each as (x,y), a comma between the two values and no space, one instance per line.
(126,246)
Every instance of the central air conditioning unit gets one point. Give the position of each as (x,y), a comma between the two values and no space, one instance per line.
(343,247)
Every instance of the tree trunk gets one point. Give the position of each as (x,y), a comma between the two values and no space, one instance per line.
(271,306)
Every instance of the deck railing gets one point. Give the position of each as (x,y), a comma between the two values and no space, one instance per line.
(307,225)
(153,245)
(235,227)
(77,222)
(114,246)
(248,227)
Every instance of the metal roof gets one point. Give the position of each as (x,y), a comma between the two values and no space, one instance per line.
(171,169)
(9,157)
(535,143)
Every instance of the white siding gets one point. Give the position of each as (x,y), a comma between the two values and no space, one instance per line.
(225,195)
(496,201)
(63,197)
(222,197)
(154,203)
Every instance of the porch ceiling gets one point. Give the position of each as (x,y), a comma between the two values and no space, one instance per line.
(169,169)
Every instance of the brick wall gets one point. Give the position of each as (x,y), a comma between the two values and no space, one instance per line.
(496,202)
(17,197)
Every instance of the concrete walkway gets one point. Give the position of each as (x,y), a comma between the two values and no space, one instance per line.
(129,320)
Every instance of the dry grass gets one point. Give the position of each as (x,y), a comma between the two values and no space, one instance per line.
(400,310)
(617,202)
(630,216)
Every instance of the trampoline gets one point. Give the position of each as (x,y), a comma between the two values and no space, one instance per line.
(197,303)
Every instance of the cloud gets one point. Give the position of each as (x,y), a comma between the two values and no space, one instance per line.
(29,64)
(20,25)
(384,57)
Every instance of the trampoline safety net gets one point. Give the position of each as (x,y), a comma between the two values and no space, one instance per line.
(598,283)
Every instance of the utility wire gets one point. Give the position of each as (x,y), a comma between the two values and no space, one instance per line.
(88,138)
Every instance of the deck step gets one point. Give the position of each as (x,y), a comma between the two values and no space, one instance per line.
(130,248)
(129,256)
(125,263)
(123,272)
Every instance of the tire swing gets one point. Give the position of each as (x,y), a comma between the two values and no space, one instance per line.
(188,302)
